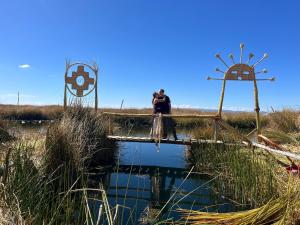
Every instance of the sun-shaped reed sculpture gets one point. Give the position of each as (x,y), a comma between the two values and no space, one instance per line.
(242,71)
(82,80)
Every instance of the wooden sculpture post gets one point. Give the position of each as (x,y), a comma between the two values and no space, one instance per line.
(257,109)
(81,90)
(241,72)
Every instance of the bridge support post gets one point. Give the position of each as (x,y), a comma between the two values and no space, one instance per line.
(216,129)
(109,126)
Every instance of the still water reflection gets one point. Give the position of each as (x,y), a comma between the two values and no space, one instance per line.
(148,180)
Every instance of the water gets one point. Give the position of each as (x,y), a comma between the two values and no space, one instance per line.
(25,129)
(149,179)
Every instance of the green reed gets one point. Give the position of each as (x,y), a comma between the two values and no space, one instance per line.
(243,175)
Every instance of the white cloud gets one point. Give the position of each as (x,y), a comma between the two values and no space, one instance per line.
(24,66)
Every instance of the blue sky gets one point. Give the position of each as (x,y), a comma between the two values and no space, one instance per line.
(143,45)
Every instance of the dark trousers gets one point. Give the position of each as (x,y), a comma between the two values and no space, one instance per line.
(168,124)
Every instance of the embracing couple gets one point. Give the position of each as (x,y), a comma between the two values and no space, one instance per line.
(161,125)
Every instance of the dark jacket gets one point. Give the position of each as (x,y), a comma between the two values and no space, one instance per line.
(163,107)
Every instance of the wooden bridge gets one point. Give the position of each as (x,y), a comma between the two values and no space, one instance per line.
(218,124)
(162,141)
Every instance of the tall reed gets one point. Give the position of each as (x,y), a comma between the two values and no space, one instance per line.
(285,121)
(29,112)
(46,194)
(79,138)
(4,134)
(243,175)
(40,198)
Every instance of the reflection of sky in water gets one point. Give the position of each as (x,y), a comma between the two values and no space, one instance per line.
(152,190)
(148,154)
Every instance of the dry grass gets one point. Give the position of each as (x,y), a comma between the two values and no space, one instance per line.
(39,193)
(281,126)
(244,120)
(29,112)
(55,111)
(274,212)
(286,121)
(79,138)
(9,216)
(4,135)
(283,210)
(284,127)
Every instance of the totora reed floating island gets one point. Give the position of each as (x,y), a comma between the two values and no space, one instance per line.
(81,164)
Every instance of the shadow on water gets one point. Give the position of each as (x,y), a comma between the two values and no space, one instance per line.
(148,181)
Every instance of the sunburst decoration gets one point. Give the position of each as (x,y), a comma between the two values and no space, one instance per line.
(241,71)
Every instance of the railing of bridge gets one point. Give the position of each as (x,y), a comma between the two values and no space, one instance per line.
(219,124)
(214,117)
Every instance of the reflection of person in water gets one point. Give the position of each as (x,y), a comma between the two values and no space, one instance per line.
(159,193)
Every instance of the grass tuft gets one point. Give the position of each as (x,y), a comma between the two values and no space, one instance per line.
(45,194)
(286,121)
(243,175)
(79,138)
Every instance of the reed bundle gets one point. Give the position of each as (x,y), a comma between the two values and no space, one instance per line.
(79,139)
(273,212)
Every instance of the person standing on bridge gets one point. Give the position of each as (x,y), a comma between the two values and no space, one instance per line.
(158,103)
(164,107)
(155,129)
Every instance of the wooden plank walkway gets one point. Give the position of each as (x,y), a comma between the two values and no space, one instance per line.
(200,141)
(162,141)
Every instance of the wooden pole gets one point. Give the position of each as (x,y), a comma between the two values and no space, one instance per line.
(121,107)
(256,106)
(18,103)
(96,90)
(65,96)
(222,97)
(216,127)
(109,126)
(65,91)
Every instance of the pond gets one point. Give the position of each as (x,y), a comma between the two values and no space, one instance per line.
(149,180)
